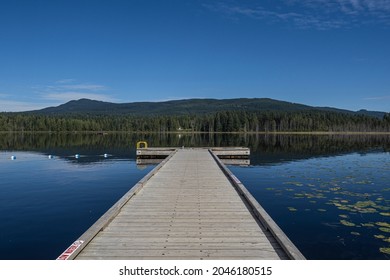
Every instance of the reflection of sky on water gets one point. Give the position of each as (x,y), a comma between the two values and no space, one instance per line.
(48,203)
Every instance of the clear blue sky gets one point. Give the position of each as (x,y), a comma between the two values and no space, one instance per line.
(316,52)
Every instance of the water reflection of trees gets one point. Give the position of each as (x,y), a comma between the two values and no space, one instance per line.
(263,146)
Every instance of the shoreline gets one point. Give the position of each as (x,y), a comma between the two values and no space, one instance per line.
(102,133)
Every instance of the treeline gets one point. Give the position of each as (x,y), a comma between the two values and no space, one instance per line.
(230,121)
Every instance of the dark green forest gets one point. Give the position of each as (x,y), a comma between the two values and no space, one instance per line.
(228,121)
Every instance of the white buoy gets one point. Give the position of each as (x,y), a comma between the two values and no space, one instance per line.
(105,155)
(13,157)
(77,156)
(50,156)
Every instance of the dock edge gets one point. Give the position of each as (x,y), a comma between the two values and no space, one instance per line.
(264,218)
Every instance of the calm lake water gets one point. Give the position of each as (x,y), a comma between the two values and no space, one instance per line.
(329,193)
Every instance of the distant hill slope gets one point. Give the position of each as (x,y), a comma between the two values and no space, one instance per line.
(185,107)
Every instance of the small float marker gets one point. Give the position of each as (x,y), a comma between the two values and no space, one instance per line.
(50,156)
(13,157)
(105,155)
(77,156)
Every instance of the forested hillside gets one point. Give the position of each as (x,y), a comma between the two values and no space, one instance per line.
(187,107)
(224,121)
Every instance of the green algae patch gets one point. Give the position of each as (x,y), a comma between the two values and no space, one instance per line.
(347,223)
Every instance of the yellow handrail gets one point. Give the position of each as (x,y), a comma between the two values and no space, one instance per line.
(139,143)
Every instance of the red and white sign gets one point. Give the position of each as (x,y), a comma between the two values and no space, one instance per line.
(68,252)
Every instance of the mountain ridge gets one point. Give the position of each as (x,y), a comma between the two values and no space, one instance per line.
(193,106)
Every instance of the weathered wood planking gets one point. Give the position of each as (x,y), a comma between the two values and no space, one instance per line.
(187,209)
(231,151)
(155,151)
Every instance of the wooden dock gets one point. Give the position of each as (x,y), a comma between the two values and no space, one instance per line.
(189,207)
(221,152)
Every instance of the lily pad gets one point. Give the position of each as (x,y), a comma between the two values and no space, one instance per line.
(293,183)
(367,210)
(384,229)
(364,182)
(383,208)
(347,223)
(355,233)
(292,209)
(363,204)
(383,224)
(385,250)
(346,208)
(380,236)
(321,210)
(368,225)
(385,214)
(343,216)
